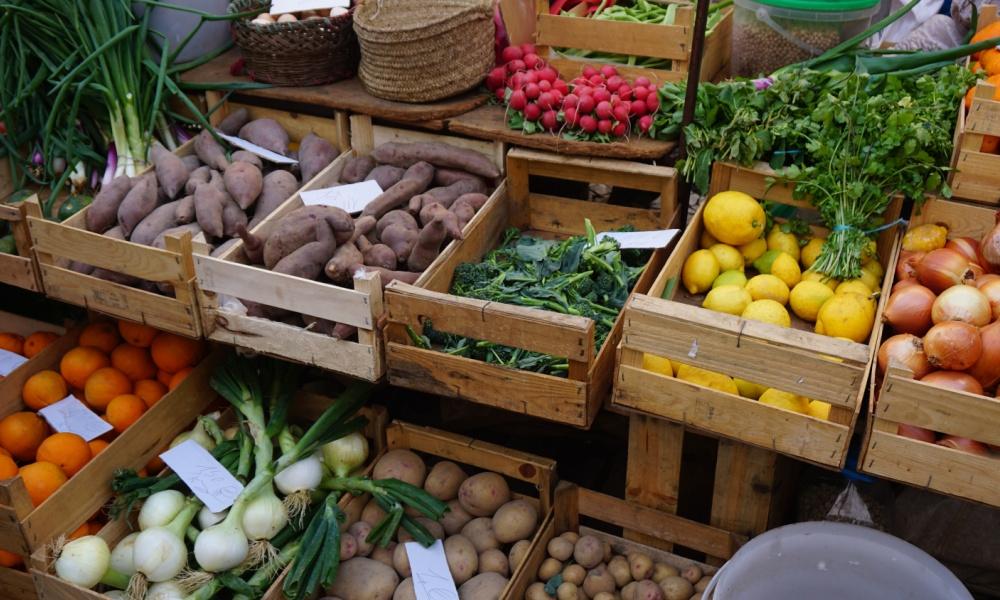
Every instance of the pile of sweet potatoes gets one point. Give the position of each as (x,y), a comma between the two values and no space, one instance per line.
(431,192)
(213,193)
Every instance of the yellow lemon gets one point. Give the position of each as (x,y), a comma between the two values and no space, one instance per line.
(846,315)
(870,278)
(823,278)
(706,240)
(873,265)
(786,268)
(870,251)
(730,278)
(767,311)
(764,261)
(786,242)
(753,250)
(855,286)
(768,287)
(729,258)
(734,218)
(811,251)
(657,364)
(748,389)
(785,400)
(729,299)
(700,270)
(819,409)
(807,297)
(711,379)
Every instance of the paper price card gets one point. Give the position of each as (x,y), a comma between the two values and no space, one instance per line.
(69,415)
(641,239)
(429,569)
(10,361)
(279,7)
(353,197)
(208,479)
(255,149)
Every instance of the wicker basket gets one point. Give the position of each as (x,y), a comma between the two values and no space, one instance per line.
(309,52)
(424,50)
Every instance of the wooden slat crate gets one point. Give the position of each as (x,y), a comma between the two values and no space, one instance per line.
(793,359)
(899,399)
(20,269)
(574,399)
(671,42)
(56,244)
(361,307)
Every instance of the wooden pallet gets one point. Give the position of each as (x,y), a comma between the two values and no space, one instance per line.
(900,399)
(790,359)
(574,399)
(21,269)
(361,307)
(56,244)
(672,42)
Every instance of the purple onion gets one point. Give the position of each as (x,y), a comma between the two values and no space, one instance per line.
(111,165)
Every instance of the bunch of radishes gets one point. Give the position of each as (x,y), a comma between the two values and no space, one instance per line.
(599,105)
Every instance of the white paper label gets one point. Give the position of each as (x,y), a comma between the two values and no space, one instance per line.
(255,149)
(429,569)
(10,361)
(353,197)
(287,6)
(69,415)
(641,239)
(208,479)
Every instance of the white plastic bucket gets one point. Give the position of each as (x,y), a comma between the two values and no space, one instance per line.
(176,25)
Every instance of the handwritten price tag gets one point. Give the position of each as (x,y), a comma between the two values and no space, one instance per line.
(353,197)
(641,239)
(431,576)
(10,361)
(69,415)
(255,149)
(279,7)
(207,478)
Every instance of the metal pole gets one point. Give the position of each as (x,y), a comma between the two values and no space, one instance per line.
(691,97)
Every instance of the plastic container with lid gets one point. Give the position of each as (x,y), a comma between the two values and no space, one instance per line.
(769,34)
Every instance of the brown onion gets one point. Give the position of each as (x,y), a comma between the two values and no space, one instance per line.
(964,444)
(963,303)
(969,248)
(912,281)
(990,245)
(943,268)
(983,280)
(906,266)
(953,380)
(909,310)
(916,433)
(907,351)
(987,368)
(953,345)
(991,289)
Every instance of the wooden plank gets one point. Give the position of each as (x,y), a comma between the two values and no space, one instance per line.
(746,489)
(631,175)
(963,220)
(632,39)
(653,470)
(18,272)
(973,416)
(17,585)
(565,216)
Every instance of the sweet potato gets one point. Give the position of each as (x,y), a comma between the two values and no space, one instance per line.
(162,218)
(315,154)
(247,157)
(79,267)
(400,217)
(476,200)
(234,121)
(277,187)
(209,203)
(232,216)
(343,331)
(386,176)
(357,169)
(385,275)
(102,214)
(209,150)
(428,244)
(446,195)
(191,162)
(400,239)
(338,269)
(244,183)
(377,255)
(253,246)
(171,172)
(414,181)
(318,325)
(184,213)
(200,175)
(115,233)
(438,154)
(115,277)
(363,226)
(161,239)
(139,202)
(266,133)
(216,180)
(450,219)
(466,207)
(446,177)
(307,261)
(342,224)
(298,227)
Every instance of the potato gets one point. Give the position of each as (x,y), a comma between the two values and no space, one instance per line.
(598,580)
(348,546)
(604,596)
(628,592)
(549,568)
(618,567)
(485,586)
(405,591)
(515,520)
(494,561)
(360,531)
(401,560)
(536,591)
(676,588)
(455,519)
(574,574)
(383,555)
(560,548)
(608,551)
(648,590)
(517,553)
(463,560)
(403,465)
(588,551)
(662,570)
(641,565)
(444,480)
(372,513)
(482,494)
(480,533)
(692,573)
(364,579)
(572,536)
(697,596)
(702,583)
(566,591)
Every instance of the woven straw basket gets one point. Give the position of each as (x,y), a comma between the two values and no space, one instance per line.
(424,50)
(309,52)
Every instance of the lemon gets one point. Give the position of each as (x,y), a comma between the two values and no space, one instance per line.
(871,279)
(846,315)
(729,258)
(786,268)
(730,278)
(811,251)
(753,250)
(786,242)
(710,379)
(657,364)
(764,261)
(870,251)
(823,278)
(767,311)
(785,400)
(700,270)
(807,297)
(706,240)
(768,287)
(734,218)
(819,409)
(873,265)
(729,299)
(855,286)
(748,389)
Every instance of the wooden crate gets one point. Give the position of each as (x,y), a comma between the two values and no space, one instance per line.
(361,307)
(574,399)
(789,359)
(21,269)
(900,399)
(671,42)
(58,243)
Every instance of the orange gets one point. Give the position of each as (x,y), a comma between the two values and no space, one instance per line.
(80,531)
(43,388)
(990,61)
(67,450)
(95,527)
(136,333)
(42,479)
(8,468)
(3,451)
(133,361)
(975,67)
(990,145)
(179,377)
(79,363)
(171,353)
(124,410)
(37,342)
(11,342)
(104,385)
(989,31)
(96,446)
(164,378)
(102,335)
(150,391)
(21,434)
(156,464)
(10,560)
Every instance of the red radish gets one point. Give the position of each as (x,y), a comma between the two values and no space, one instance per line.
(549,120)
(583,90)
(620,129)
(532,91)
(569,114)
(640,93)
(557,97)
(516,81)
(603,110)
(579,81)
(608,71)
(544,85)
(532,112)
(587,104)
(604,126)
(531,77)
(496,78)
(620,111)
(570,101)
(589,71)
(548,74)
(518,100)
(500,93)
(645,122)
(643,81)
(639,108)
(602,95)
(511,53)
(528,48)
(588,123)
(531,60)
(596,80)
(614,82)
(560,85)
(515,65)
(916,433)
(652,102)
(545,101)
(625,92)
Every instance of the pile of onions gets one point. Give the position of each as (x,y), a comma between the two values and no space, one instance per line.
(963,303)
(990,246)
(906,267)
(908,309)
(953,345)
(954,380)
(908,351)
(943,268)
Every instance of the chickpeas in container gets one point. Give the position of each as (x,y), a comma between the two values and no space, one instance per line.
(769,34)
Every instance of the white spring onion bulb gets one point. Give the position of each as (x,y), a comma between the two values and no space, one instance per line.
(207,518)
(84,561)
(159,553)
(221,547)
(165,590)
(346,454)
(199,435)
(121,556)
(160,508)
(306,475)
(265,516)
(115,595)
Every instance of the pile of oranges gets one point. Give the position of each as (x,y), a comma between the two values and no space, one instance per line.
(988,62)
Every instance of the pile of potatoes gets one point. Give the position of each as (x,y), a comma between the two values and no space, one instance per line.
(265,19)
(431,192)
(586,568)
(486,534)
